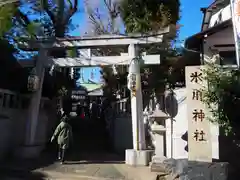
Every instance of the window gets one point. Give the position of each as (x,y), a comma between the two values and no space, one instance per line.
(228,57)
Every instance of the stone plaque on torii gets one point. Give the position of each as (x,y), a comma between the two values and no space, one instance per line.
(138,155)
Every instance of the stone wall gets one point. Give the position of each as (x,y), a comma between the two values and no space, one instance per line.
(13,121)
(122,127)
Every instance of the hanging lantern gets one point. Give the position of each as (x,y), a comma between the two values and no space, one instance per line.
(115,72)
(33,81)
(133,83)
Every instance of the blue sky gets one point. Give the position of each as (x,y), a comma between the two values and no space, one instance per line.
(191,19)
(191,16)
(79,19)
(90,73)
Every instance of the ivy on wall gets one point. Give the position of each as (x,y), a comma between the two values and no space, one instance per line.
(223,97)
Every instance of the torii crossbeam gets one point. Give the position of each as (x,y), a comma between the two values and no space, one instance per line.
(86,44)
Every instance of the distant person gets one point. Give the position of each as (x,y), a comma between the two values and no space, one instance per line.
(63,133)
(86,110)
(94,108)
(80,112)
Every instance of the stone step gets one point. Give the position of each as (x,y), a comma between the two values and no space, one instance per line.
(157,167)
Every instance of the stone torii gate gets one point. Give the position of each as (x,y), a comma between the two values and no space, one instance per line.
(138,155)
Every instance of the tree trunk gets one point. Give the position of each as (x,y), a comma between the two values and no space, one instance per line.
(59,33)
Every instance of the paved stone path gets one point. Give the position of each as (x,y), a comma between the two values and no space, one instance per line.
(45,168)
(106,171)
(81,172)
(97,165)
(55,171)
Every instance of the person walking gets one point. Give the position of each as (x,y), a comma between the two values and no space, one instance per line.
(63,133)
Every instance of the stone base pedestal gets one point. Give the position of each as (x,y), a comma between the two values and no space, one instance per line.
(138,158)
(28,151)
(184,169)
(156,160)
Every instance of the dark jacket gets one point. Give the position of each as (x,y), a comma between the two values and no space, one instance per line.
(63,133)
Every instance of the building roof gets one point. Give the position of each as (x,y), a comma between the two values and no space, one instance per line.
(96,92)
(93,89)
(195,40)
(91,86)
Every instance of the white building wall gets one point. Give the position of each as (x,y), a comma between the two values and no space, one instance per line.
(220,16)
(224,36)
(180,126)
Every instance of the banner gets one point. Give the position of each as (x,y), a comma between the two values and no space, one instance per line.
(235,9)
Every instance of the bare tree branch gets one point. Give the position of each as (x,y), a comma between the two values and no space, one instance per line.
(99,22)
(72,10)
(104,24)
(108,5)
(21,17)
(24,21)
(70,4)
(46,8)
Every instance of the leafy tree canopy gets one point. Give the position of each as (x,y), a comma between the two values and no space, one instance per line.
(127,12)
(223,97)
(7,11)
(34,18)
(149,15)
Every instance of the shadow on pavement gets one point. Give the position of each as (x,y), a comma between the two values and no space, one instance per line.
(22,175)
(91,144)
(27,165)
(89,147)
(94,158)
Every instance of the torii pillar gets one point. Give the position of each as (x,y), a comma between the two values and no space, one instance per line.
(31,148)
(139,155)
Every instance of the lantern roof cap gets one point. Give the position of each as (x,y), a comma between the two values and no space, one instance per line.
(33,71)
(158,113)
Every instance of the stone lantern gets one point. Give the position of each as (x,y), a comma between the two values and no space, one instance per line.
(158,129)
(33,81)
